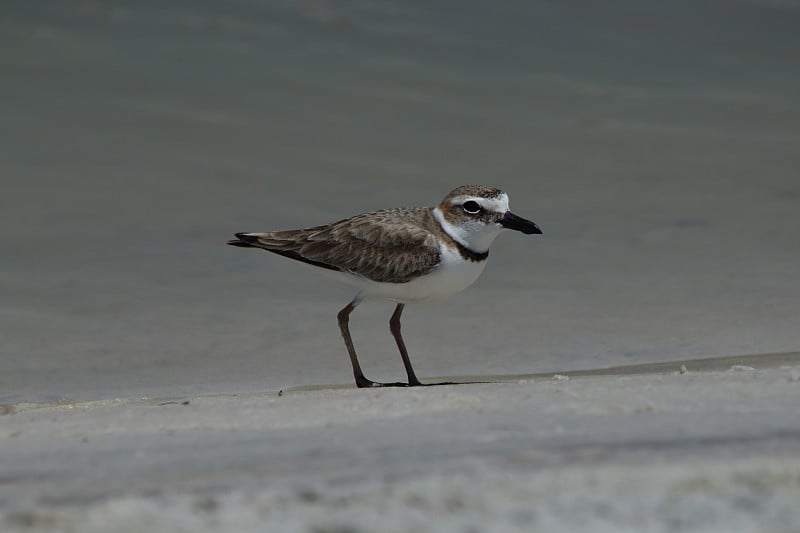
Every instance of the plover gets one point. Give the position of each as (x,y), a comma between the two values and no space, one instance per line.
(405,255)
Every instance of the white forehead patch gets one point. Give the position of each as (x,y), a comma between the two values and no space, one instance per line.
(493,205)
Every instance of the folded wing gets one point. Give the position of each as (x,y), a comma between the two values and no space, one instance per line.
(386,246)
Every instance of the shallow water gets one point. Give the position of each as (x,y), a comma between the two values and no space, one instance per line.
(656,145)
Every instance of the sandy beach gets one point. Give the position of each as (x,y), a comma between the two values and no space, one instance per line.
(154,379)
(627,449)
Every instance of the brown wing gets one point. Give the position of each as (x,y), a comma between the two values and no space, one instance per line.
(392,245)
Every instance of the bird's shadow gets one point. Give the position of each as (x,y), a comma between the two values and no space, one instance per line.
(381,385)
(404,385)
(437,384)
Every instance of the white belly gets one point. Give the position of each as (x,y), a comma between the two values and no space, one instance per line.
(453,275)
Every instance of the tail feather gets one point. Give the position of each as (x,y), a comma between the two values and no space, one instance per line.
(244,240)
(272,242)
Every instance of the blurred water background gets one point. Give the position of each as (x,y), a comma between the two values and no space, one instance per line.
(657,144)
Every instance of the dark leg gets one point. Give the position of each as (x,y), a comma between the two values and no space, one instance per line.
(344,319)
(394,327)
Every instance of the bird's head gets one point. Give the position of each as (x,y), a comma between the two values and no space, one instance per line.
(474,215)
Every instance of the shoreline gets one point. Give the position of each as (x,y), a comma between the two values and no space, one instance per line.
(703,364)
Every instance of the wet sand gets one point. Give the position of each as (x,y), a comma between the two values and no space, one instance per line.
(657,151)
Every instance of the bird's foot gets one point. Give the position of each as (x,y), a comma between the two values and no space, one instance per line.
(364,383)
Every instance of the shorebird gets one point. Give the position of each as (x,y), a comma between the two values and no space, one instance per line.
(405,255)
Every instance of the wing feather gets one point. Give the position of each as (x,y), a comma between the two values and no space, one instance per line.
(392,245)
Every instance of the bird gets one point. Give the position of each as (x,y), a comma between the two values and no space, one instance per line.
(404,255)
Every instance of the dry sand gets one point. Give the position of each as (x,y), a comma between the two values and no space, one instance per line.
(695,446)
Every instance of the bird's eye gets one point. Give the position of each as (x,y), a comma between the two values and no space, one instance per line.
(471,207)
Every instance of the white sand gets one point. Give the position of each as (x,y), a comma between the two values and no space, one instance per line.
(699,451)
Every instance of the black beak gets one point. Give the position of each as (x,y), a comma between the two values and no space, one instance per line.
(512,221)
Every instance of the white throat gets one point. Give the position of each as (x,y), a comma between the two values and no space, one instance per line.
(474,234)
